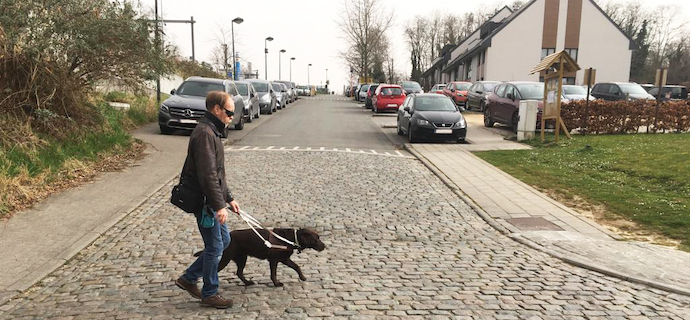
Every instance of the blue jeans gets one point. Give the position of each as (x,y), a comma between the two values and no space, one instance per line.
(216,239)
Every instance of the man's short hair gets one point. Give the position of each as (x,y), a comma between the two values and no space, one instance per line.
(216,98)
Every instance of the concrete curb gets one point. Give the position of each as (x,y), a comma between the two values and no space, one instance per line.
(563,256)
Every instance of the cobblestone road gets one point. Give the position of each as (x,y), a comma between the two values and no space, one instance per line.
(399,245)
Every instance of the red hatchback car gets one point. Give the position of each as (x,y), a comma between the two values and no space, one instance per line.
(387,97)
(457,91)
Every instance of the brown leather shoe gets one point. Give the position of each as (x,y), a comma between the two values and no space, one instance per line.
(189,287)
(217,302)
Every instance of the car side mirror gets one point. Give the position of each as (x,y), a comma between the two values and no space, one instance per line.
(173,91)
(480,92)
(407,109)
(452,89)
(511,97)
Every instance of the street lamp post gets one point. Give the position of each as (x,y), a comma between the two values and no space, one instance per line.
(237,20)
(308,81)
(293,58)
(266,56)
(280,69)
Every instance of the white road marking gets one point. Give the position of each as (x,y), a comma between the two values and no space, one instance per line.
(269,148)
(397,154)
(348,150)
(245,147)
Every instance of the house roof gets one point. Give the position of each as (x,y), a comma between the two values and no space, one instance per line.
(486,42)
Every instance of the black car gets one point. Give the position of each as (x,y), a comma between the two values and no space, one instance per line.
(670,92)
(410,87)
(476,95)
(370,94)
(619,91)
(431,116)
(187,104)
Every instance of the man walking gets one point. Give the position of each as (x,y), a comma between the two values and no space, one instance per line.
(205,165)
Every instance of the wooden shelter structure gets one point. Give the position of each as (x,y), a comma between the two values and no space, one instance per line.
(554,66)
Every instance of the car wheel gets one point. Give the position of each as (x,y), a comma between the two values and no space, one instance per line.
(375,109)
(270,110)
(410,136)
(488,122)
(166,130)
(514,122)
(481,106)
(461,140)
(240,125)
(400,132)
(258,113)
(468,106)
(250,117)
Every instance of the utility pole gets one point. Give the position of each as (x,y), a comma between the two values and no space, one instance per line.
(237,20)
(225,60)
(293,58)
(280,77)
(192,23)
(266,56)
(157,44)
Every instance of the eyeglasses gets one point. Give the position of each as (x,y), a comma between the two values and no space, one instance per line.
(229,113)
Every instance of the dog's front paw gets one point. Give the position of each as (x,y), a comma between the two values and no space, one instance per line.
(278,284)
(249,283)
(303,278)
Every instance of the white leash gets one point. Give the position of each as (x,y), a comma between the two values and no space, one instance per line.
(253,224)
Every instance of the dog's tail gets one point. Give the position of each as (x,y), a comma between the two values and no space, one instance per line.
(196,254)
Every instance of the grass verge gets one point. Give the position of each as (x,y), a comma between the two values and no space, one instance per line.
(38,164)
(640,178)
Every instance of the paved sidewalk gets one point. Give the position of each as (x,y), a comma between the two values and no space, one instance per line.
(531,217)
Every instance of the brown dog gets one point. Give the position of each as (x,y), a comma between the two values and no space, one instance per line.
(245,243)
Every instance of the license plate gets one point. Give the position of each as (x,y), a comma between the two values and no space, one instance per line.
(188,121)
(392,105)
(444,131)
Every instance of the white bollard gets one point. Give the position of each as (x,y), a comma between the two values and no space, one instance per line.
(528,119)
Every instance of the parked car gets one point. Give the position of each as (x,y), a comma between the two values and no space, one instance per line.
(362,95)
(573,93)
(410,87)
(476,95)
(267,97)
(281,94)
(187,104)
(252,110)
(302,90)
(355,92)
(294,89)
(620,91)
(647,86)
(503,103)
(387,97)
(431,116)
(289,98)
(457,91)
(370,94)
(437,88)
(670,92)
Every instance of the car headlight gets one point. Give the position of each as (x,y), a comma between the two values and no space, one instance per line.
(462,123)
(266,98)
(422,122)
(165,108)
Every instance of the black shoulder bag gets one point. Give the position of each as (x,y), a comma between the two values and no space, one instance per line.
(187,196)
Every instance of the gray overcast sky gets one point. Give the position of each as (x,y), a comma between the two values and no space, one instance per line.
(306,29)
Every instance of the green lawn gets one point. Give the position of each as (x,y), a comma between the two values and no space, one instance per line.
(640,177)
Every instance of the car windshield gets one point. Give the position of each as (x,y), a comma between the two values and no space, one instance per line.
(199,89)
(531,91)
(391,91)
(277,87)
(434,104)
(632,88)
(260,86)
(364,88)
(489,86)
(411,85)
(302,87)
(463,86)
(574,90)
(243,88)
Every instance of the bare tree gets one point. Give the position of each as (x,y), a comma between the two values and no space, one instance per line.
(363,25)
(222,50)
(415,32)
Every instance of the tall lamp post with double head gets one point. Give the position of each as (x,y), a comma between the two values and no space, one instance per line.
(293,58)
(280,69)
(237,20)
(266,56)
(308,80)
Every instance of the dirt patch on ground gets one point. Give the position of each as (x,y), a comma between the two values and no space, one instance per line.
(25,191)
(622,227)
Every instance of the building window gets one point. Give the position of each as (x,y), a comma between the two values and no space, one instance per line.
(569,80)
(469,72)
(572,53)
(547,51)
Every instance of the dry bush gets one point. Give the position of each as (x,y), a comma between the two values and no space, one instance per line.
(627,116)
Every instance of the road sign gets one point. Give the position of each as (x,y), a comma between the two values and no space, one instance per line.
(661,75)
(590,77)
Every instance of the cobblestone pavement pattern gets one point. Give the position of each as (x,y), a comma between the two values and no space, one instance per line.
(399,245)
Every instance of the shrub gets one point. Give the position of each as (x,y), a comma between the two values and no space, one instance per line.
(627,116)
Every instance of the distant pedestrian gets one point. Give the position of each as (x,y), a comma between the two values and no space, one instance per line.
(205,164)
